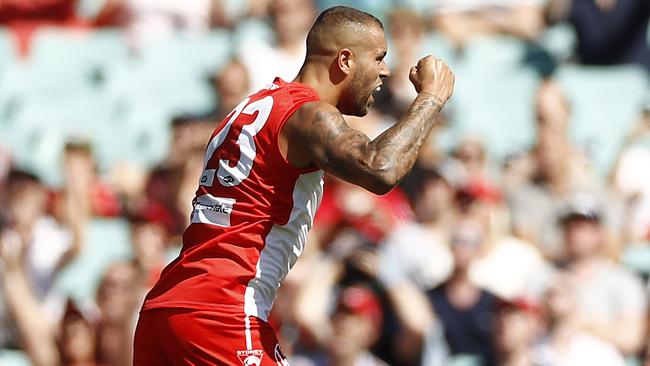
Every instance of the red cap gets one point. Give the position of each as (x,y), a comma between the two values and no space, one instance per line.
(154,212)
(483,191)
(361,301)
(521,304)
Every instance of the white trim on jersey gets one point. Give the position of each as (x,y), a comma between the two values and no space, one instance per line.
(283,245)
(249,338)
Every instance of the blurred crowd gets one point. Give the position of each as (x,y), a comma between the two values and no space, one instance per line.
(533,257)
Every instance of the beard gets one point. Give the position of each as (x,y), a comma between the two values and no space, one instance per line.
(358,95)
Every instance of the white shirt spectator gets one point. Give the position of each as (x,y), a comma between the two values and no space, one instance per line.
(264,62)
(477,5)
(608,292)
(508,268)
(581,349)
(413,253)
(49,243)
(632,177)
(159,19)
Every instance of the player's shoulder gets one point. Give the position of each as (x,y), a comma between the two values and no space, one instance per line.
(293,90)
(316,106)
(311,111)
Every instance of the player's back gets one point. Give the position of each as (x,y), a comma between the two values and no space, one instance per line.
(251,215)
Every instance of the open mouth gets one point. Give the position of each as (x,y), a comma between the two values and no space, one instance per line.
(371,97)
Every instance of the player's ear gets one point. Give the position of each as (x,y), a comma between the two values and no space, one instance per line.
(344,61)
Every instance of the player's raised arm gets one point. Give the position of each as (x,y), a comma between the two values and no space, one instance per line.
(377,165)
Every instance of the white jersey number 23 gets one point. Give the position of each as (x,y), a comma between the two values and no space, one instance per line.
(228,175)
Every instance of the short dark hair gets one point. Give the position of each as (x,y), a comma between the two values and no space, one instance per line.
(18,176)
(338,17)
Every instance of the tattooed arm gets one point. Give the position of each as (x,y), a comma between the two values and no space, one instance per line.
(377,165)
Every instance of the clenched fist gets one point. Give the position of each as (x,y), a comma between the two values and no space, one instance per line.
(432,75)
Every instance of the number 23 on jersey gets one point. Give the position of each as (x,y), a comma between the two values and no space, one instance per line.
(230,173)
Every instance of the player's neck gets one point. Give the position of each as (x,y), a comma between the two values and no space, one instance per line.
(316,76)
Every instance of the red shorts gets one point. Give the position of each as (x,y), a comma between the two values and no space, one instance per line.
(199,337)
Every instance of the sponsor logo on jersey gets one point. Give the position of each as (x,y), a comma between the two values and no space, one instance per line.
(216,208)
(212,210)
(251,357)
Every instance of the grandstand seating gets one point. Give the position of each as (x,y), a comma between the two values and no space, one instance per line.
(64,62)
(13,358)
(8,55)
(7,49)
(605,102)
(494,94)
(173,75)
(252,29)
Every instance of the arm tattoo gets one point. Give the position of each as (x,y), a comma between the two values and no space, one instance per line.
(378,164)
(396,149)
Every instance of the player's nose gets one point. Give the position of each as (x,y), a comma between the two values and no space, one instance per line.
(384,71)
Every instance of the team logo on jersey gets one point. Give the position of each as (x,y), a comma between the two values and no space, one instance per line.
(251,357)
(272,86)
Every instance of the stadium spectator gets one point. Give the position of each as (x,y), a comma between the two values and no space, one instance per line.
(341,334)
(471,157)
(349,332)
(610,301)
(291,20)
(160,193)
(465,310)
(415,257)
(406,32)
(172,184)
(187,178)
(35,327)
(609,32)
(88,193)
(48,245)
(231,84)
(505,265)
(346,208)
(630,178)
(78,335)
(464,21)
(150,241)
(518,326)
(559,171)
(567,343)
(417,252)
(5,165)
(84,336)
(119,296)
(189,133)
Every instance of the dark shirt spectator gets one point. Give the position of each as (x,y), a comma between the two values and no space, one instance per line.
(610,32)
(467,331)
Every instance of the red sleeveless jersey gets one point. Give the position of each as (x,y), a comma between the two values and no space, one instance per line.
(251,215)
